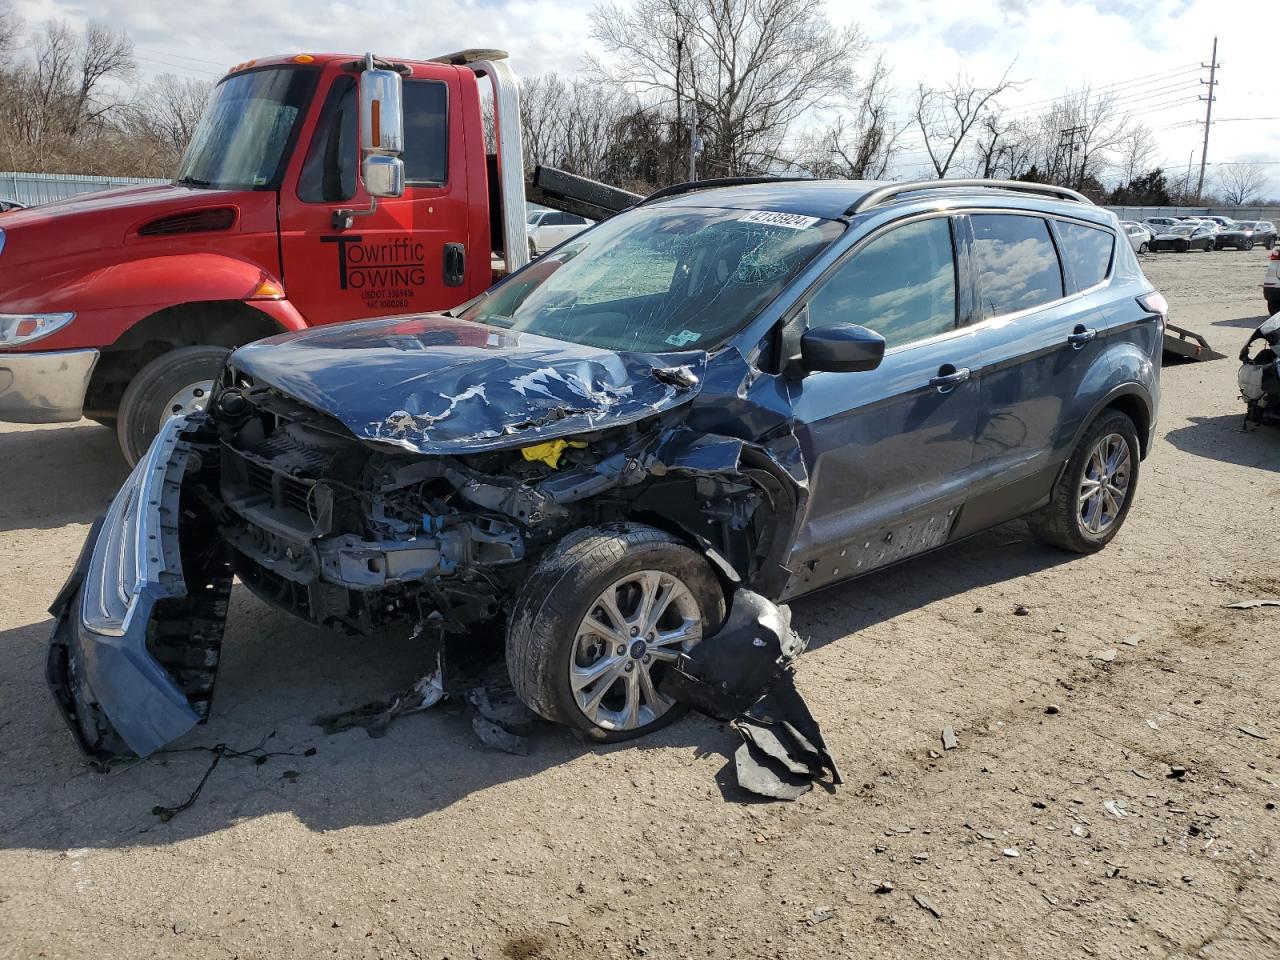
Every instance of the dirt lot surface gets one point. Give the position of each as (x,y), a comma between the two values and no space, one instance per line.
(1044,834)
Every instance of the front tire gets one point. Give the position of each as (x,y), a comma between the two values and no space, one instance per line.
(604,615)
(1091,499)
(173,383)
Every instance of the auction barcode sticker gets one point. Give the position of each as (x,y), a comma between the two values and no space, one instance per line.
(793,221)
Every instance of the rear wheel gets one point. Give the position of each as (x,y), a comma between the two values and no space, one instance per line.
(175,383)
(533,251)
(1092,497)
(1144,248)
(603,617)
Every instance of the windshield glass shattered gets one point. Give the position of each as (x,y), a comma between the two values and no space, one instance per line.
(659,279)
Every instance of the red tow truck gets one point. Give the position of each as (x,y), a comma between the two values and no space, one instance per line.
(316,189)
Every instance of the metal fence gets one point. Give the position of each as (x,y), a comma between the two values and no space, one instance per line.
(1235,213)
(32,188)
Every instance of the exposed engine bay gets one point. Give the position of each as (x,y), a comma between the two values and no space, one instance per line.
(355,537)
(1259,375)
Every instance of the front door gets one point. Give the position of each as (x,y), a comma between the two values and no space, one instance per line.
(404,257)
(888,450)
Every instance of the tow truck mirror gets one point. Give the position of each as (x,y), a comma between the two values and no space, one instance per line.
(381,133)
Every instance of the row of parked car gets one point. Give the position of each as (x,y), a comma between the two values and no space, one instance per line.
(1183,234)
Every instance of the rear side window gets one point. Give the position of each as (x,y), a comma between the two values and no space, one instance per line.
(1017,263)
(902,285)
(426,128)
(1088,251)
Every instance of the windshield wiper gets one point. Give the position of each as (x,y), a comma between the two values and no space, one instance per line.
(193,182)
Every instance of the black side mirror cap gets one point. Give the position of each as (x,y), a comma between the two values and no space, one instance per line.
(841,348)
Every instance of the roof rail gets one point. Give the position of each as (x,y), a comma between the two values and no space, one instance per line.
(679,188)
(894,190)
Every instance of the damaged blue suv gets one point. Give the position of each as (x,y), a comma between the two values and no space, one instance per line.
(731,389)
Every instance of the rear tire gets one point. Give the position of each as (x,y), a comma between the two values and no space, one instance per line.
(1067,521)
(549,636)
(1144,248)
(533,251)
(180,379)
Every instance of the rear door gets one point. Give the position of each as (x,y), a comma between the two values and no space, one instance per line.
(888,450)
(405,256)
(1042,290)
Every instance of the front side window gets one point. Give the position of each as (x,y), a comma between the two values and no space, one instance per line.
(1017,264)
(329,172)
(245,130)
(1088,250)
(902,285)
(658,279)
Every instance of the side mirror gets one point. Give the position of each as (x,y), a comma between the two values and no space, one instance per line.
(841,348)
(381,132)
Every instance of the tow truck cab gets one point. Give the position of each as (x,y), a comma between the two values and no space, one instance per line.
(120,305)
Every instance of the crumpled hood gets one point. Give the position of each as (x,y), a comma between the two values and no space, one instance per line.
(435,384)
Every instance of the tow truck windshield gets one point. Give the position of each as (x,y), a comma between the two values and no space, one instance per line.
(243,135)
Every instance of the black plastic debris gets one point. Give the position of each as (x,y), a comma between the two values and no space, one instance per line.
(743,673)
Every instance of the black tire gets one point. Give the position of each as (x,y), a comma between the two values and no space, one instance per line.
(542,629)
(1058,523)
(1273,305)
(533,251)
(143,406)
(1248,245)
(1144,248)
(1184,248)
(1271,242)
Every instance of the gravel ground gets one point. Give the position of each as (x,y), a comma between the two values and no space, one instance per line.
(1044,834)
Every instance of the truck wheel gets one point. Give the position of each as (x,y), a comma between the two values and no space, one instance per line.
(1092,497)
(173,383)
(605,614)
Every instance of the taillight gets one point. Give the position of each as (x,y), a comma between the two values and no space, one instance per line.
(1154,302)
(1275,254)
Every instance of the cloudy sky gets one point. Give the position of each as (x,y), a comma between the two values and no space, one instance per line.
(1147,51)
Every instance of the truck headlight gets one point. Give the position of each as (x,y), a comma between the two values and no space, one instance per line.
(20,328)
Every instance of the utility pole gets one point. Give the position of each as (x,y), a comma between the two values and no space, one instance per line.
(695,141)
(1208,116)
(1067,145)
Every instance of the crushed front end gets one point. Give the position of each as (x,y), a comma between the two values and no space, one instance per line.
(1259,375)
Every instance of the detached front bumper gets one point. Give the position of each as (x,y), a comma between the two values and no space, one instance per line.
(127,603)
(45,387)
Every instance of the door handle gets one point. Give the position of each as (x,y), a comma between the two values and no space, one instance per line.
(1081,335)
(455,264)
(949,377)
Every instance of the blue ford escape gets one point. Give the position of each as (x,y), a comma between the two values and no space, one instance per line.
(732,388)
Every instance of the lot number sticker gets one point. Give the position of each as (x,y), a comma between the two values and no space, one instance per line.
(792,221)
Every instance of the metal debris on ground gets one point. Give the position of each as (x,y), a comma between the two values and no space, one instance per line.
(1116,808)
(819,915)
(949,741)
(926,904)
(1253,732)
(375,717)
(1252,604)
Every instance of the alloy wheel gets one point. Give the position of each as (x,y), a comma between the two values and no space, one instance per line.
(1104,486)
(635,630)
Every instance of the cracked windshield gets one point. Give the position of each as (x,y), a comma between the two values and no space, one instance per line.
(659,280)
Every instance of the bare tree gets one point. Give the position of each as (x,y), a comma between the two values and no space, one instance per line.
(1138,152)
(1240,183)
(750,69)
(163,118)
(862,141)
(10,30)
(946,116)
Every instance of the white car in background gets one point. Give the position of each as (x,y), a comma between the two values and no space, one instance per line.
(1140,236)
(546,228)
